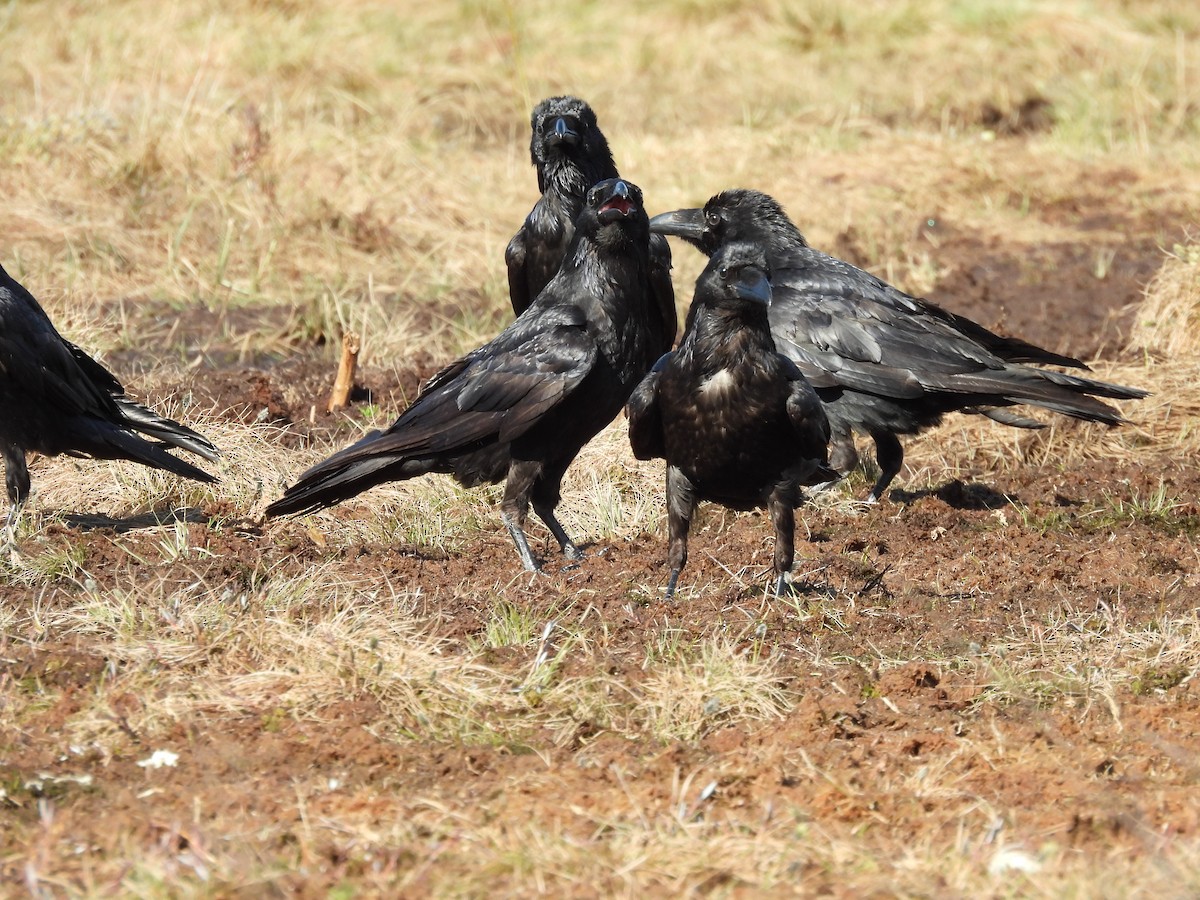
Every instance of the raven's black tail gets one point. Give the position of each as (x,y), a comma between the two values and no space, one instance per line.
(1057,391)
(166,430)
(1071,395)
(117,439)
(347,474)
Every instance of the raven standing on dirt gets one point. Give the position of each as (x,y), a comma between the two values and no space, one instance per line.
(736,421)
(54,398)
(522,406)
(570,154)
(882,362)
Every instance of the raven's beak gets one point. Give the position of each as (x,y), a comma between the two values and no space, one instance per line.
(618,204)
(562,133)
(753,286)
(684,223)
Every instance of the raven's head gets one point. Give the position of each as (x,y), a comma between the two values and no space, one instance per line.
(736,215)
(565,134)
(737,278)
(615,206)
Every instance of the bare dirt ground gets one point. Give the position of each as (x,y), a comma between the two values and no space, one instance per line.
(905,713)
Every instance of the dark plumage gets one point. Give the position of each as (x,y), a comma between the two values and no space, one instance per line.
(882,362)
(736,421)
(523,405)
(54,398)
(571,154)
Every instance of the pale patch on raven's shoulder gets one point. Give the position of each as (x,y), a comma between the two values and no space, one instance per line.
(719,383)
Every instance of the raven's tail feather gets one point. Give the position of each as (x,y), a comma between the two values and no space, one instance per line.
(1074,396)
(1092,386)
(166,430)
(1056,391)
(115,442)
(337,479)
(1005,417)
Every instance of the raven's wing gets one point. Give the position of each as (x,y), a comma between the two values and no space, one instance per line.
(443,375)
(535,253)
(645,415)
(515,258)
(492,395)
(843,327)
(664,314)
(847,328)
(1009,349)
(84,405)
(807,415)
(95,373)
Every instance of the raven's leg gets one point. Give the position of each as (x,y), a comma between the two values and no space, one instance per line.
(568,546)
(890,456)
(515,506)
(681,503)
(16,479)
(546,496)
(781,504)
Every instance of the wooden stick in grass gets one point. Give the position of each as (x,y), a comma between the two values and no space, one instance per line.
(344,382)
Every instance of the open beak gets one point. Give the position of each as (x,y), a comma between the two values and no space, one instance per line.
(618,204)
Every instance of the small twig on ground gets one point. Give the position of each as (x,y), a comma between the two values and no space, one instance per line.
(348,365)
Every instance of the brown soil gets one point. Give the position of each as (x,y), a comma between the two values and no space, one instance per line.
(1069,295)
(942,574)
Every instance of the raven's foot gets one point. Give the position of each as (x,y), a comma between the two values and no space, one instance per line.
(824,486)
(784,586)
(669,596)
(522,543)
(569,548)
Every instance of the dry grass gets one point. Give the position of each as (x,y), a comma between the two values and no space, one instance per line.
(712,686)
(1169,320)
(362,163)
(293,170)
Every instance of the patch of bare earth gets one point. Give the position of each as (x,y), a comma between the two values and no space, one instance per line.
(1073,292)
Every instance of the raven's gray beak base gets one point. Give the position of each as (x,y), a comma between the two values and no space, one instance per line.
(562,133)
(684,223)
(754,287)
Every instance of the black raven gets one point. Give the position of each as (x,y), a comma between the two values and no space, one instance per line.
(523,405)
(571,154)
(882,362)
(54,398)
(736,421)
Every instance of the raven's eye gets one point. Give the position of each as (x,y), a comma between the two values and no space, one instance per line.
(725,272)
(712,219)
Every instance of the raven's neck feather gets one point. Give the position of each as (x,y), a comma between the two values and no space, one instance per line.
(611,264)
(570,178)
(719,337)
(600,253)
